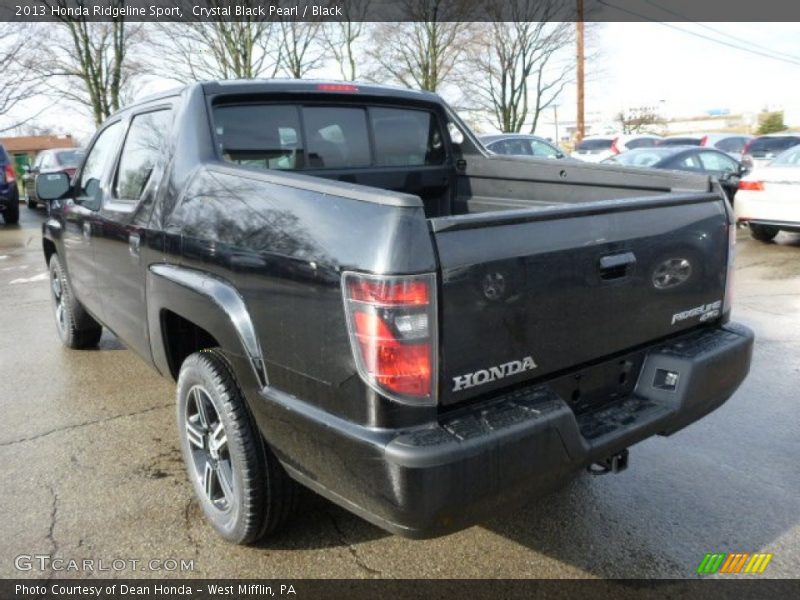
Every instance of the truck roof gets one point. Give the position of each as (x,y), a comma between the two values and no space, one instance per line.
(286,85)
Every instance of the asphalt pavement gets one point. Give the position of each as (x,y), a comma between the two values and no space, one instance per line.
(92,467)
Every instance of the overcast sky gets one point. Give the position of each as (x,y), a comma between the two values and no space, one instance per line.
(639,64)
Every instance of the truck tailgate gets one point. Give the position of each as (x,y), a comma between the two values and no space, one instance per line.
(527,293)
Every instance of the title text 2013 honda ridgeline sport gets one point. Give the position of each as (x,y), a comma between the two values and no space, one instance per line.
(354,295)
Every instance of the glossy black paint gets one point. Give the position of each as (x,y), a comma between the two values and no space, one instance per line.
(254,258)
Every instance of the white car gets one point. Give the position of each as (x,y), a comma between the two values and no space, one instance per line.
(768,199)
(596,148)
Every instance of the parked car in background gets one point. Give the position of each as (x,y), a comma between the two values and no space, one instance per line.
(49,161)
(521,144)
(769,197)
(731,143)
(706,161)
(763,149)
(9,192)
(597,148)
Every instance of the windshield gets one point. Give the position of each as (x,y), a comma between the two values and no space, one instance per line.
(645,157)
(790,158)
(594,145)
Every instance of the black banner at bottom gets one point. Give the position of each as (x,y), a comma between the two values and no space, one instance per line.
(399,589)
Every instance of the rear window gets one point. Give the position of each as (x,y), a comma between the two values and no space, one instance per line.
(406,138)
(772,145)
(327,137)
(594,145)
(681,141)
(642,143)
(257,135)
(68,158)
(734,144)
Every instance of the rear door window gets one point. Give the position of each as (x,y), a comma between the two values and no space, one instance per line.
(336,137)
(719,163)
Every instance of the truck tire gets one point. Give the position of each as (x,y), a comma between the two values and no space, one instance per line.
(763,233)
(76,328)
(242,488)
(11,213)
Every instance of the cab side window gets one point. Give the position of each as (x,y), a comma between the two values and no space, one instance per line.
(102,152)
(141,152)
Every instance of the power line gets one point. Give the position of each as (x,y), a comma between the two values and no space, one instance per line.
(795,62)
(719,32)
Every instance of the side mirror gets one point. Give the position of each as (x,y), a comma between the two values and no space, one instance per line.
(26,168)
(52,186)
(559,155)
(743,170)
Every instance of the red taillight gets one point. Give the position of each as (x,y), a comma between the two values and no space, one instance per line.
(751,186)
(389,293)
(392,333)
(400,367)
(8,173)
(336,87)
(704,140)
(614,147)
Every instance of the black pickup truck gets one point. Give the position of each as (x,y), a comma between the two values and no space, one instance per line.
(354,295)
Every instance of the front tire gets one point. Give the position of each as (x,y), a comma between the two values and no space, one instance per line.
(76,328)
(243,490)
(763,233)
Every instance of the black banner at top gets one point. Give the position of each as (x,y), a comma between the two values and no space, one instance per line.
(402,10)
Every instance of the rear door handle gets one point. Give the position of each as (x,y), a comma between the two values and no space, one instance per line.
(616,266)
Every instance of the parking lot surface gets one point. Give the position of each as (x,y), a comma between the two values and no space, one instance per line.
(92,468)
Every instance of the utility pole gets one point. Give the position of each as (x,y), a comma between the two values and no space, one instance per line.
(581,124)
(555,118)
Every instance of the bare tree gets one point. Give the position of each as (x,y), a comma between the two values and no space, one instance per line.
(243,49)
(19,82)
(342,37)
(300,47)
(517,62)
(91,63)
(422,54)
(639,120)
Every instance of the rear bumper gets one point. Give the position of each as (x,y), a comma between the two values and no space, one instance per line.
(432,480)
(8,194)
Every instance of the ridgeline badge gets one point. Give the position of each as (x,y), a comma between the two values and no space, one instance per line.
(463,382)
